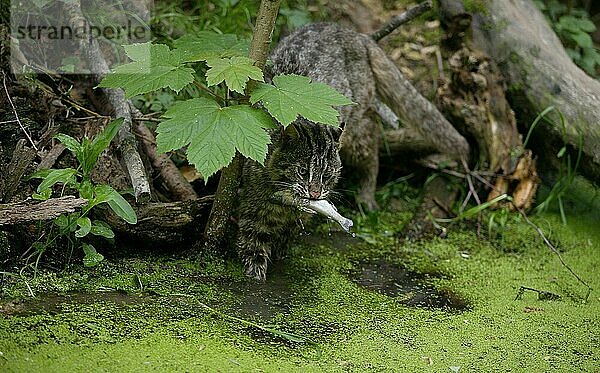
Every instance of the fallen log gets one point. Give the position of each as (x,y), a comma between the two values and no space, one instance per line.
(539,74)
(163,223)
(22,212)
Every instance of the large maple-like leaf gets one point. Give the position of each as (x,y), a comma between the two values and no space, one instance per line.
(293,95)
(213,133)
(235,71)
(154,67)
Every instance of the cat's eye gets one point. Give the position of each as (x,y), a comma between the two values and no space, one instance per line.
(302,171)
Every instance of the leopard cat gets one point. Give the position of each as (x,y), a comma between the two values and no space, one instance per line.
(303,162)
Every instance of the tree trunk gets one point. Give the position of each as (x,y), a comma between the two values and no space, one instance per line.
(539,74)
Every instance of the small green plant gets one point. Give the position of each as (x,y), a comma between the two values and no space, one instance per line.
(77,225)
(567,167)
(573,26)
(231,117)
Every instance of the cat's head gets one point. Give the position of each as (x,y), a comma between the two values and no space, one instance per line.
(306,159)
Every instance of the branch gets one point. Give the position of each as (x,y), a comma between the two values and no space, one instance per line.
(401,19)
(16,213)
(125,141)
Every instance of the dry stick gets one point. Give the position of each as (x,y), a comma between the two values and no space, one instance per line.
(400,19)
(50,158)
(125,140)
(223,206)
(14,109)
(169,173)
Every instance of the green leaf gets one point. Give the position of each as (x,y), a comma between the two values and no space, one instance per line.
(582,39)
(235,71)
(575,24)
(294,95)
(41,174)
(85,225)
(65,222)
(93,149)
(92,257)
(43,195)
(154,67)
(100,228)
(214,133)
(63,175)
(206,44)
(86,190)
(590,59)
(70,143)
(116,202)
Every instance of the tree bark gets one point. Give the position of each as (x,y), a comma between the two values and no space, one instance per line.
(12,174)
(540,74)
(17,213)
(223,206)
(163,223)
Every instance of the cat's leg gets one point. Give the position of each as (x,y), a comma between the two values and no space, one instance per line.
(255,251)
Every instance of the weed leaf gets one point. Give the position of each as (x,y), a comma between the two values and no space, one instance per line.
(63,175)
(85,225)
(100,228)
(70,143)
(94,148)
(92,257)
(116,202)
(154,67)
(294,95)
(235,71)
(213,133)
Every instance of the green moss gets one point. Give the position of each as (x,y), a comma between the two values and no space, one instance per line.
(475,6)
(135,314)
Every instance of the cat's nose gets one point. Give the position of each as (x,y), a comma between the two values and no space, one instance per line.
(314,194)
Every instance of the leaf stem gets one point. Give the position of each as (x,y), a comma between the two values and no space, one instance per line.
(222,100)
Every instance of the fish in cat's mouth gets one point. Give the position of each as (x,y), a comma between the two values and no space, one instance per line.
(329,210)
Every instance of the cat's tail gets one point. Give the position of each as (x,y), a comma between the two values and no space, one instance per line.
(404,100)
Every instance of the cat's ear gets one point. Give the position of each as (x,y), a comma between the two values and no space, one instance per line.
(290,134)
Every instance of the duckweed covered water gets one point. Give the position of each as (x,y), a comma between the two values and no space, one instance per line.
(439,305)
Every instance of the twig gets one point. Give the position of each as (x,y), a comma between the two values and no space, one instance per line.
(17,114)
(542,235)
(553,249)
(400,19)
(440,64)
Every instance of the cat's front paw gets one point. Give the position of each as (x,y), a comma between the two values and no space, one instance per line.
(256,267)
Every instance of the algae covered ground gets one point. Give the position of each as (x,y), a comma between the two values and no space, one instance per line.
(335,303)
